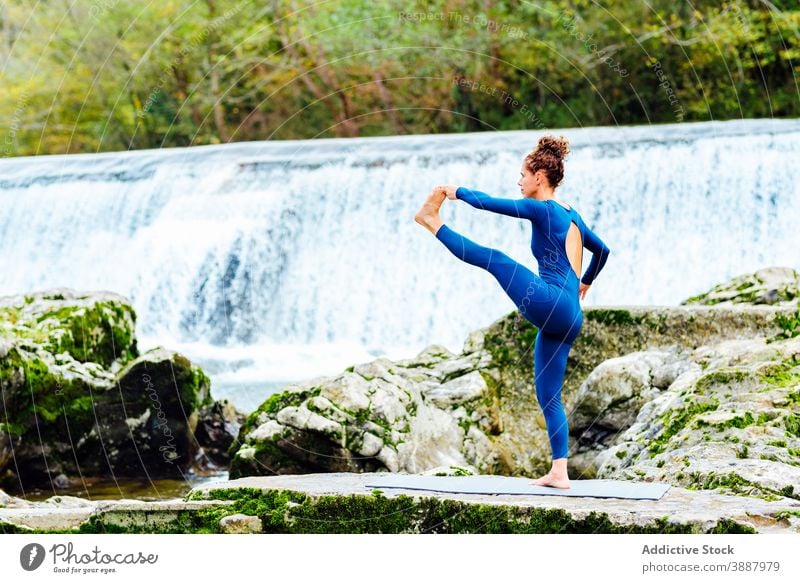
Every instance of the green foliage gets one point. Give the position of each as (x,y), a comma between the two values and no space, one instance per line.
(126,75)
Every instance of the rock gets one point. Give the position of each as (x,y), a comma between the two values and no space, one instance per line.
(60,514)
(241,524)
(79,400)
(217,426)
(459,390)
(148,422)
(343,503)
(771,285)
(451,471)
(65,502)
(379,415)
(7,501)
(95,327)
(732,425)
(610,398)
(474,342)
(61,481)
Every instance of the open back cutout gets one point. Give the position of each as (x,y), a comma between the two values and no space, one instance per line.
(574,247)
(573,243)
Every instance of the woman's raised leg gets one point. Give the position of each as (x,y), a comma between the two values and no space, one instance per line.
(521,284)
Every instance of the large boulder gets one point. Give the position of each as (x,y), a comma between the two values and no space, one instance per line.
(96,327)
(729,421)
(379,415)
(771,285)
(79,400)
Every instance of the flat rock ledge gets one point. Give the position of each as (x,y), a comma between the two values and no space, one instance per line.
(342,503)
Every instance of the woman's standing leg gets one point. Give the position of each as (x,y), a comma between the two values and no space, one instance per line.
(550,364)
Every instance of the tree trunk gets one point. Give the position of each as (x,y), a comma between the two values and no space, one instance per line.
(388,104)
(219,111)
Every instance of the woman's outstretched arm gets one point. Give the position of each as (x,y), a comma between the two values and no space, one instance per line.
(521,208)
(600,252)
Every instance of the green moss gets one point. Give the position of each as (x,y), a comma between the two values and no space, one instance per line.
(403,514)
(195,386)
(789,326)
(9,528)
(100,332)
(675,420)
(792,424)
(737,421)
(45,401)
(694,299)
(510,340)
(738,485)
(721,377)
(610,316)
(727,526)
(783,374)
(271,406)
(786,514)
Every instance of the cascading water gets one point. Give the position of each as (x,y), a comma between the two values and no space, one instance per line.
(273,261)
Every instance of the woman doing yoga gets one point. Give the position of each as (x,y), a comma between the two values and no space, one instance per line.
(549,300)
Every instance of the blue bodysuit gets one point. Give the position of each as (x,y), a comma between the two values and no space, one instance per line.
(549,300)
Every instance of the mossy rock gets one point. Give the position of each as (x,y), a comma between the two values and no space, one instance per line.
(94,327)
(771,285)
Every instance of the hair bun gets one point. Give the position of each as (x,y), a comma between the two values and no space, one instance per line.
(558,146)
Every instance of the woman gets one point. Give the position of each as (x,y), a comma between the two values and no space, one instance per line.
(550,300)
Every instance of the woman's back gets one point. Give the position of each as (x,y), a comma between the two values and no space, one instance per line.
(557,242)
(551,224)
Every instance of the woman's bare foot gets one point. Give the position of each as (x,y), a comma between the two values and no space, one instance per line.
(428,214)
(550,479)
(557,476)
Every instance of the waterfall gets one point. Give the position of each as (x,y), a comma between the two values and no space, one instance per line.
(273,261)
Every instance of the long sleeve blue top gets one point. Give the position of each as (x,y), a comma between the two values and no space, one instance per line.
(551,222)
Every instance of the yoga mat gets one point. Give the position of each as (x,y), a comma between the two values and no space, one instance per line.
(491,484)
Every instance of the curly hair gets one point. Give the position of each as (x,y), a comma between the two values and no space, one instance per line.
(549,156)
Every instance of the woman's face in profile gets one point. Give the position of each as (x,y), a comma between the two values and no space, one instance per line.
(527,182)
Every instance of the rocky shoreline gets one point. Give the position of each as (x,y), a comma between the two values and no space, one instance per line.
(341,503)
(704,396)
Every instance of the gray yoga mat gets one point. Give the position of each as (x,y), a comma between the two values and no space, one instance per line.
(491,484)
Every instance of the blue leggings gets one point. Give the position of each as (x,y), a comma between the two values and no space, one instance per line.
(554,309)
